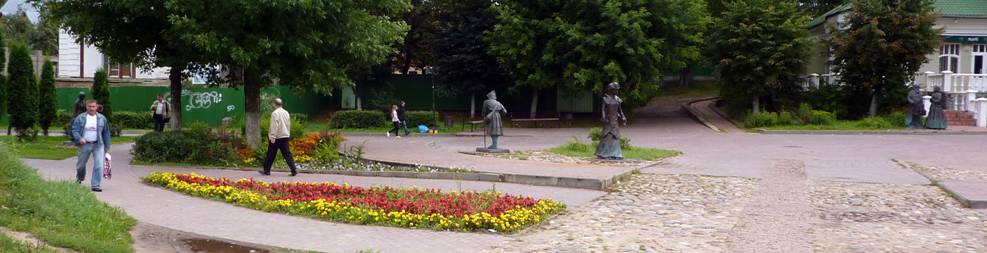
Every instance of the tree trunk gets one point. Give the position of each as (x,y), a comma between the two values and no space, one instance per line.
(873,105)
(251,92)
(756,104)
(534,103)
(472,105)
(685,76)
(175,79)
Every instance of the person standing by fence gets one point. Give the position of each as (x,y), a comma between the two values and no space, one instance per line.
(159,111)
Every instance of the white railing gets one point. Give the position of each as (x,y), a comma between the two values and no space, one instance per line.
(961,89)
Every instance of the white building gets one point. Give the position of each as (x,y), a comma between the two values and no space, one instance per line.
(76,60)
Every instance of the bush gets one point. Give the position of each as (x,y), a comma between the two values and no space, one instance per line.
(875,123)
(787,118)
(420,117)
(761,119)
(896,118)
(821,118)
(47,111)
(805,113)
(133,120)
(357,119)
(101,93)
(195,144)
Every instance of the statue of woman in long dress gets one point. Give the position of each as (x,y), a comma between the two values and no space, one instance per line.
(492,113)
(609,147)
(937,118)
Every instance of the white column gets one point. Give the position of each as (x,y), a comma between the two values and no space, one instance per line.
(982,112)
(814,80)
(971,98)
(928,86)
(927,101)
(947,81)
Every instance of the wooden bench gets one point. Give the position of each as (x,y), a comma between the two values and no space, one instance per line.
(472,124)
(518,121)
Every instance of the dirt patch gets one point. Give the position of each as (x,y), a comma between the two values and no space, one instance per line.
(153,239)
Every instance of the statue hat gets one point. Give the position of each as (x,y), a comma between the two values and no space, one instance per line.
(613,85)
(492,94)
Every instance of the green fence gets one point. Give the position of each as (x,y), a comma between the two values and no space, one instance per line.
(203,104)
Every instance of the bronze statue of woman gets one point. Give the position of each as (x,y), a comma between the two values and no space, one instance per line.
(937,118)
(609,147)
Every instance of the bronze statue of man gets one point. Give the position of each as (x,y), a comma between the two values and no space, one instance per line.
(916,108)
(492,113)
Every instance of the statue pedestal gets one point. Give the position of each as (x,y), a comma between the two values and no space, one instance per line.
(495,150)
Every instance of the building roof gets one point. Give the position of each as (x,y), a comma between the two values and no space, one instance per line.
(962,8)
(945,8)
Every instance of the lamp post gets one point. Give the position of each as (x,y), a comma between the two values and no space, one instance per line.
(429,71)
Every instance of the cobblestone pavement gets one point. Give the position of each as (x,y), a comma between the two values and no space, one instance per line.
(941,173)
(784,213)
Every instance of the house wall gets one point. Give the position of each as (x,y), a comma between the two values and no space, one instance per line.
(92,60)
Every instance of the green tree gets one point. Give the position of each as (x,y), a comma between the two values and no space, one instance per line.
(760,47)
(131,31)
(815,8)
(463,65)
(587,44)
(887,42)
(414,50)
(3,79)
(46,111)
(308,45)
(101,93)
(22,90)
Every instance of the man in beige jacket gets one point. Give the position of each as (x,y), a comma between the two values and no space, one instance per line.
(279,135)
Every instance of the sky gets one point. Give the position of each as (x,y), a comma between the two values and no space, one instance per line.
(12,5)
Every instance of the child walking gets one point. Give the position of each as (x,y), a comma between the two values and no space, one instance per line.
(395,122)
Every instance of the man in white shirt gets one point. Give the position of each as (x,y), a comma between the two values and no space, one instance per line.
(159,111)
(91,131)
(279,134)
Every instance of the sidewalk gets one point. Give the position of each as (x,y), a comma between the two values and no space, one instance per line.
(180,212)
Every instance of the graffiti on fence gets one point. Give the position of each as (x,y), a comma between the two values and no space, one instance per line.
(203,100)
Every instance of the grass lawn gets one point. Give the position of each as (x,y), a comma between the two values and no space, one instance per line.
(49,147)
(850,125)
(10,245)
(63,214)
(580,149)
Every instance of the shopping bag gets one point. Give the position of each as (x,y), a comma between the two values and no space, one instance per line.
(107,173)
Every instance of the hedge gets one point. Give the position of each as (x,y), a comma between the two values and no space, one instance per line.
(416,118)
(196,144)
(357,119)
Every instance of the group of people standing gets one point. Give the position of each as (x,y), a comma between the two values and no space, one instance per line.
(935,118)
(398,119)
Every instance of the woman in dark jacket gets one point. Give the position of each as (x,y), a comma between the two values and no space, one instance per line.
(937,118)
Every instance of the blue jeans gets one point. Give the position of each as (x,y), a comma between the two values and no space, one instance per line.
(85,151)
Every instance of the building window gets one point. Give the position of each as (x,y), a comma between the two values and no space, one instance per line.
(980,59)
(949,57)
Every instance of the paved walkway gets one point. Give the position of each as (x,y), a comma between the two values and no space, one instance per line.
(865,158)
(176,211)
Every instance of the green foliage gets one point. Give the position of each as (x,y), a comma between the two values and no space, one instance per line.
(587,44)
(821,118)
(761,119)
(101,93)
(196,144)
(462,63)
(357,119)
(416,118)
(3,79)
(818,7)
(22,90)
(760,48)
(887,42)
(47,111)
(20,29)
(596,133)
(788,118)
(576,148)
(805,112)
(60,213)
(876,123)
(133,120)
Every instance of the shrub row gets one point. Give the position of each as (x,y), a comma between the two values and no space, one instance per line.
(804,116)
(128,120)
(373,119)
(196,144)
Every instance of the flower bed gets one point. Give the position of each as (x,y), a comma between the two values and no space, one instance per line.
(416,208)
